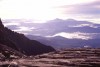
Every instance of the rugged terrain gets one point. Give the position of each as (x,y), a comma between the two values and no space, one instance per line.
(74,57)
(16,50)
(21,43)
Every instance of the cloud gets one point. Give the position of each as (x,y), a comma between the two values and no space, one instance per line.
(26,29)
(10,24)
(75,35)
(83,25)
(87,10)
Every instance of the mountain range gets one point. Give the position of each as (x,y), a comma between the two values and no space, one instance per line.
(61,33)
(55,26)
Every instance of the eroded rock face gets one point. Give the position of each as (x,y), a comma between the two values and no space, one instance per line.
(21,43)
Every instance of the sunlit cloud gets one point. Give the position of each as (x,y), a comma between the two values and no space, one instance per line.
(9,24)
(24,29)
(82,25)
(77,35)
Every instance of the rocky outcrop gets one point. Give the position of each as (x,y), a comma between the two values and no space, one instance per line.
(1,25)
(21,43)
(9,53)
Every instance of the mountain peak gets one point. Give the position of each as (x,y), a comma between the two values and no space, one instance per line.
(1,25)
(71,20)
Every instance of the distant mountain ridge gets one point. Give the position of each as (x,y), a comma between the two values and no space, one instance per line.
(55,26)
(60,42)
(88,32)
(21,43)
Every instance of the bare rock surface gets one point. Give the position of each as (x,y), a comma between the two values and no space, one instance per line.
(75,57)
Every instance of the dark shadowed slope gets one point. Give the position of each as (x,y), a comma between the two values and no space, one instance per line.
(21,43)
(4,39)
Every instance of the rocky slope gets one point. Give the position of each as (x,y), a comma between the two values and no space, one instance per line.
(21,43)
(9,53)
(74,57)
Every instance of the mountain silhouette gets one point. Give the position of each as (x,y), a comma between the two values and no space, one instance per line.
(21,43)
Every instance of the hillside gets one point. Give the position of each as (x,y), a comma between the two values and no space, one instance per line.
(21,43)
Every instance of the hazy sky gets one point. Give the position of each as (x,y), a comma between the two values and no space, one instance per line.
(50,9)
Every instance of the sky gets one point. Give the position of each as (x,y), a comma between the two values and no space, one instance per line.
(43,10)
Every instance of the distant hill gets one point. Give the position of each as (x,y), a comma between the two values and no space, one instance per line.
(21,43)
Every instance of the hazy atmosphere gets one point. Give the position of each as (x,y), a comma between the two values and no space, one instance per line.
(43,10)
(59,21)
